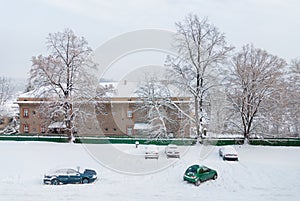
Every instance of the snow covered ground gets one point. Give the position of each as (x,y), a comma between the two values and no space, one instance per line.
(263,173)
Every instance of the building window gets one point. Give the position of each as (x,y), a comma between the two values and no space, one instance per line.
(129,113)
(25,112)
(43,129)
(129,131)
(26,128)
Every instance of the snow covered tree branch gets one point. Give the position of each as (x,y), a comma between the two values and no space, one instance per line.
(66,76)
(201,48)
(6,90)
(254,80)
(154,100)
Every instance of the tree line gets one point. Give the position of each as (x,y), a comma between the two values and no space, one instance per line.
(247,91)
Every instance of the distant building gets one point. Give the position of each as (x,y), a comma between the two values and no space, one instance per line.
(30,121)
(113,116)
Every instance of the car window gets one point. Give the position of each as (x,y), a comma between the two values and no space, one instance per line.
(201,170)
(206,169)
(71,171)
(61,171)
(192,169)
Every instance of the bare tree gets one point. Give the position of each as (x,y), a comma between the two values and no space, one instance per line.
(201,47)
(254,81)
(294,96)
(154,100)
(274,115)
(295,72)
(66,76)
(6,90)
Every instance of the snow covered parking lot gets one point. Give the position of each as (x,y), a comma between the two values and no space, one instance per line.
(263,173)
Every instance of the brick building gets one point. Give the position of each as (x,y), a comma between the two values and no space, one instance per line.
(114,116)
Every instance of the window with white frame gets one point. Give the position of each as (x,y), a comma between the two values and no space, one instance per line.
(26,128)
(129,130)
(129,113)
(25,112)
(43,130)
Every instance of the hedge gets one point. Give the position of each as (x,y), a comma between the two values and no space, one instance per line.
(61,139)
(129,140)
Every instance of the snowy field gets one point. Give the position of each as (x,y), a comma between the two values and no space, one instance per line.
(263,173)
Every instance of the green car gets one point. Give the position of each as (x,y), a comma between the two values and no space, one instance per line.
(199,173)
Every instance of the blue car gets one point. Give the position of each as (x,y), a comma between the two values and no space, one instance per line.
(70,176)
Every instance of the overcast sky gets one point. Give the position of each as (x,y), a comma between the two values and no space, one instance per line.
(272,25)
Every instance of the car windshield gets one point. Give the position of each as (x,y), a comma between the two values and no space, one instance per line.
(192,169)
(151,148)
(90,172)
(229,150)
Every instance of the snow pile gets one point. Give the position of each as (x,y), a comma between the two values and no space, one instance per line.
(263,173)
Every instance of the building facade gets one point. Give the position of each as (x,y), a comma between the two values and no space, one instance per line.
(117,115)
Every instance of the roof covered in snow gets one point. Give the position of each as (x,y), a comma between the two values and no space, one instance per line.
(125,88)
(116,89)
(41,92)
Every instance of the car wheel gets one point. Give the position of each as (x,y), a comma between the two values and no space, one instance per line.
(54,182)
(215,177)
(197,183)
(224,158)
(85,181)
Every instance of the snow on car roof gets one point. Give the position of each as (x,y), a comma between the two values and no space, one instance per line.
(229,149)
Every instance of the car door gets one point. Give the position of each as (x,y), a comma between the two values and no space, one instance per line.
(74,176)
(207,174)
(62,176)
(201,174)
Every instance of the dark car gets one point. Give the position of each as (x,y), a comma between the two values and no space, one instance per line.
(199,173)
(70,176)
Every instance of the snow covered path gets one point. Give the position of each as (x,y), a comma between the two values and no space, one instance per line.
(263,173)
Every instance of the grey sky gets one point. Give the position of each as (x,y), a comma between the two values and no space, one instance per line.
(272,25)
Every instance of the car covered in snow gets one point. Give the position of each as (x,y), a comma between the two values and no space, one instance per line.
(199,173)
(70,176)
(172,150)
(228,153)
(151,152)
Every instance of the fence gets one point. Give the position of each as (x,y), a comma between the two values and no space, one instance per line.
(177,141)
